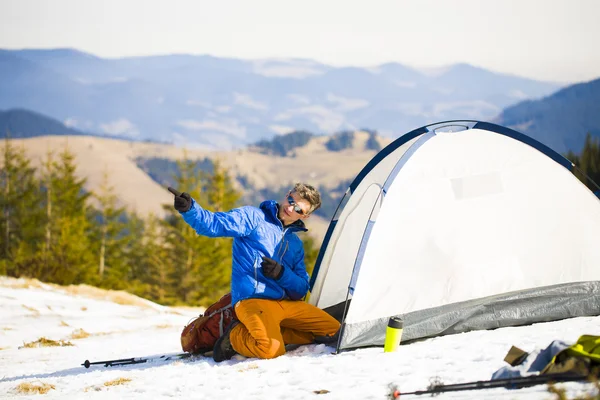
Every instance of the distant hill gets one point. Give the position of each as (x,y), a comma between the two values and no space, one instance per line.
(23,124)
(284,145)
(140,171)
(560,121)
(20,123)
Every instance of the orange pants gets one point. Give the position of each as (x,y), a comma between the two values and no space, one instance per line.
(268,325)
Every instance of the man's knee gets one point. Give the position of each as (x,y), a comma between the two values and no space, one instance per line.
(329,325)
(334,327)
(274,349)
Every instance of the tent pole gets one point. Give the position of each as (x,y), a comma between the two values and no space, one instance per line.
(343,323)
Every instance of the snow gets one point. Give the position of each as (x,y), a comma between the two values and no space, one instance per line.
(30,310)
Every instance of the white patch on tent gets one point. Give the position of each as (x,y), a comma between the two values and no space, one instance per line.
(476,186)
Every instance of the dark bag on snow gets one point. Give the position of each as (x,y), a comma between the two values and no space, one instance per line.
(200,335)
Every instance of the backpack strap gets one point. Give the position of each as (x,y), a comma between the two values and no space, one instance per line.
(220,310)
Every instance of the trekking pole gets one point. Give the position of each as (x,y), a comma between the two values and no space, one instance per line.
(508,383)
(110,363)
(136,360)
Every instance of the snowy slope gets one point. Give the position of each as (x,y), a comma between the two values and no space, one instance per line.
(30,310)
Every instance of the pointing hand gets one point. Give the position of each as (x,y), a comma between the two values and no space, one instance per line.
(183,201)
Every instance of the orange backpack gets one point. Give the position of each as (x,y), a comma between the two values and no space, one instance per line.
(200,335)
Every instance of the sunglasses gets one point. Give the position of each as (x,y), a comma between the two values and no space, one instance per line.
(297,209)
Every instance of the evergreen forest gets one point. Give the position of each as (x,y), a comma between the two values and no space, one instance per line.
(53,230)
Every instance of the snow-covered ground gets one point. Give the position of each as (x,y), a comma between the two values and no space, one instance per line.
(125,326)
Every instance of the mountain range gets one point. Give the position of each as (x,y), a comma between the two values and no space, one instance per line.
(220,103)
(561,120)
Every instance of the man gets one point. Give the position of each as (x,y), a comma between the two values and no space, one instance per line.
(268,275)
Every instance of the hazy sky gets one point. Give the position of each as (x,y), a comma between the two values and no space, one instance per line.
(543,39)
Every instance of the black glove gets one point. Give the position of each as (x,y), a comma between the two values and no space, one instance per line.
(271,268)
(183,201)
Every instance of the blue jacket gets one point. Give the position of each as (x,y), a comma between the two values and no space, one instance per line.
(256,232)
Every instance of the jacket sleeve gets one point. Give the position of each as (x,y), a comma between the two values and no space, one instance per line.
(295,280)
(235,223)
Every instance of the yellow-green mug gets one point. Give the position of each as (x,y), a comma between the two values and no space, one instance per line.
(393,334)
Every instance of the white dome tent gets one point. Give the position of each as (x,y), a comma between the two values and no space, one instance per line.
(458,226)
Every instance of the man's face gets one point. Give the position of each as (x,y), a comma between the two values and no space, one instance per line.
(288,210)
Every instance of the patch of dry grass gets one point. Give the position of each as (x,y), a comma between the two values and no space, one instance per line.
(6,328)
(4,348)
(21,283)
(34,388)
(63,323)
(79,334)
(33,310)
(44,342)
(163,326)
(116,382)
(248,367)
(116,296)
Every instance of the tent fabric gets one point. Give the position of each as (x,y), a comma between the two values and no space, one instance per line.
(518,308)
(453,221)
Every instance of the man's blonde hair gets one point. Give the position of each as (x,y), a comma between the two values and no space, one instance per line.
(310,194)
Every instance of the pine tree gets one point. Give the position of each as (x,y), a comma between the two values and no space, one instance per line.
(67,255)
(185,246)
(108,238)
(149,264)
(588,163)
(21,217)
(311,252)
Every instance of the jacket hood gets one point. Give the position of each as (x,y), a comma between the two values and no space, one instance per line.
(271,209)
